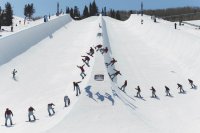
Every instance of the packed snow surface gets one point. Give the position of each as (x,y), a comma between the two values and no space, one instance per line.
(148,54)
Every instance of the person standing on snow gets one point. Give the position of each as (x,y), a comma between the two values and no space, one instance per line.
(153,92)
(50,109)
(123,86)
(82,71)
(8,116)
(14,73)
(77,88)
(30,113)
(191,83)
(67,101)
(138,92)
(167,91)
(175,25)
(181,88)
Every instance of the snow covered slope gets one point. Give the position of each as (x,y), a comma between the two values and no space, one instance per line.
(152,54)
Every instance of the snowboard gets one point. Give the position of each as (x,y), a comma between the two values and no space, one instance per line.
(85,62)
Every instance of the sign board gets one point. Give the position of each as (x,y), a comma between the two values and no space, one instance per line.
(99,77)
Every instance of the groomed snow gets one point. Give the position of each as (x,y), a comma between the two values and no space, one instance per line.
(152,54)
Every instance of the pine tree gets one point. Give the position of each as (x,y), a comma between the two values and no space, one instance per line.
(86,12)
(90,9)
(67,10)
(118,15)
(29,10)
(9,14)
(72,12)
(94,8)
(76,12)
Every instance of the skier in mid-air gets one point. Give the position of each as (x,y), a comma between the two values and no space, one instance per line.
(14,73)
(8,116)
(153,92)
(50,109)
(138,92)
(30,113)
(181,88)
(77,88)
(123,86)
(82,71)
(167,91)
(86,60)
(191,83)
(98,47)
(67,101)
(112,62)
(112,76)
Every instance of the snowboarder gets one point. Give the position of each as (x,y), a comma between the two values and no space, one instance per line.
(8,114)
(191,83)
(50,109)
(153,92)
(138,92)
(12,28)
(98,47)
(91,52)
(82,71)
(112,76)
(167,91)
(104,50)
(67,101)
(14,73)
(77,88)
(30,113)
(86,60)
(123,86)
(181,88)
(175,25)
(99,25)
(112,62)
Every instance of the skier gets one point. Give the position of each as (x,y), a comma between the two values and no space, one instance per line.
(14,73)
(167,91)
(86,60)
(175,25)
(8,114)
(91,52)
(77,88)
(98,47)
(82,71)
(153,92)
(181,88)
(112,62)
(67,101)
(50,108)
(30,113)
(112,76)
(138,92)
(191,83)
(123,86)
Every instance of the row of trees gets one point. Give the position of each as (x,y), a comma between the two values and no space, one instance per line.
(88,11)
